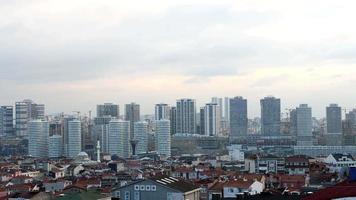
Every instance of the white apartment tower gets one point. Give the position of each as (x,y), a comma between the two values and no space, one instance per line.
(38,132)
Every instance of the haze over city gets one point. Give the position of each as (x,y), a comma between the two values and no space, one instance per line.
(72,55)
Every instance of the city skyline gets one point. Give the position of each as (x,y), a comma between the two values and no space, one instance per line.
(120,51)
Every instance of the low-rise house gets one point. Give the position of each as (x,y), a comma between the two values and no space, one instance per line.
(226,189)
(297,165)
(56,173)
(336,162)
(184,173)
(158,188)
(56,185)
(74,170)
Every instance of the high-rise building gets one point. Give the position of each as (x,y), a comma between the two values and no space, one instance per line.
(351,117)
(333,135)
(212,119)
(293,122)
(38,133)
(6,121)
(55,146)
(173,118)
(119,138)
(74,138)
(162,111)
(25,111)
(65,135)
(218,101)
(202,121)
(270,116)
(238,117)
(108,109)
(132,114)
(226,114)
(141,136)
(163,138)
(304,125)
(101,131)
(186,116)
(333,119)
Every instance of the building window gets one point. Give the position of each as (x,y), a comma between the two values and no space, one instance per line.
(137,187)
(142,187)
(148,188)
(137,195)
(127,195)
(153,188)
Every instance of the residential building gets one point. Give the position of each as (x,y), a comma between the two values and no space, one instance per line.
(219,102)
(297,165)
(270,116)
(55,146)
(6,121)
(158,188)
(38,133)
(108,109)
(212,119)
(173,118)
(163,138)
(337,162)
(304,125)
(333,136)
(162,111)
(238,117)
(26,111)
(141,136)
(132,114)
(186,116)
(74,146)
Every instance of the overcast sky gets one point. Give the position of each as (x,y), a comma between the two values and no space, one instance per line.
(72,55)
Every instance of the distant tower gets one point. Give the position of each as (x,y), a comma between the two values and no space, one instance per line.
(98,151)
(163,138)
(270,116)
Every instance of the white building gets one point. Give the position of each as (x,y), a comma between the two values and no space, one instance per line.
(141,135)
(163,138)
(236,153)
(212,119)
(74,138)
(38,132)
(337,161)
(26,111)
(218,101)
(119,138)
(55,146)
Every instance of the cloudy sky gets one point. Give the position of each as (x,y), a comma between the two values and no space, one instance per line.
(72,55)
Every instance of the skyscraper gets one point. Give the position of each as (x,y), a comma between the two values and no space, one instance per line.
(119,138)
(304,125)
(141,135)
(101,131)
(186,116)
(219,102)
(202,121)
(108,109)
(270,116)
(333,119)
(132,114)
(55,146)
(226,114)
(163,138)
(74,138)
(25,111)
(212,119)
(162,111)
(173,118)
(333,135)
(38,132)
(238,117)
(6,121)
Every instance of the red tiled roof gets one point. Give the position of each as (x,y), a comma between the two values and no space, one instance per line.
(344,189)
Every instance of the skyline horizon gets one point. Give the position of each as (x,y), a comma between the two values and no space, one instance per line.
(284,109)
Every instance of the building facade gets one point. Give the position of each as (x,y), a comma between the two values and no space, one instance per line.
(132,114)
(238,117)
(6,121)
(186,116)
(163,138)
(26,111)
(212,119)
(141,135)
(38,133)
(270,116)
(74,146)
(162,111)
(108,109)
